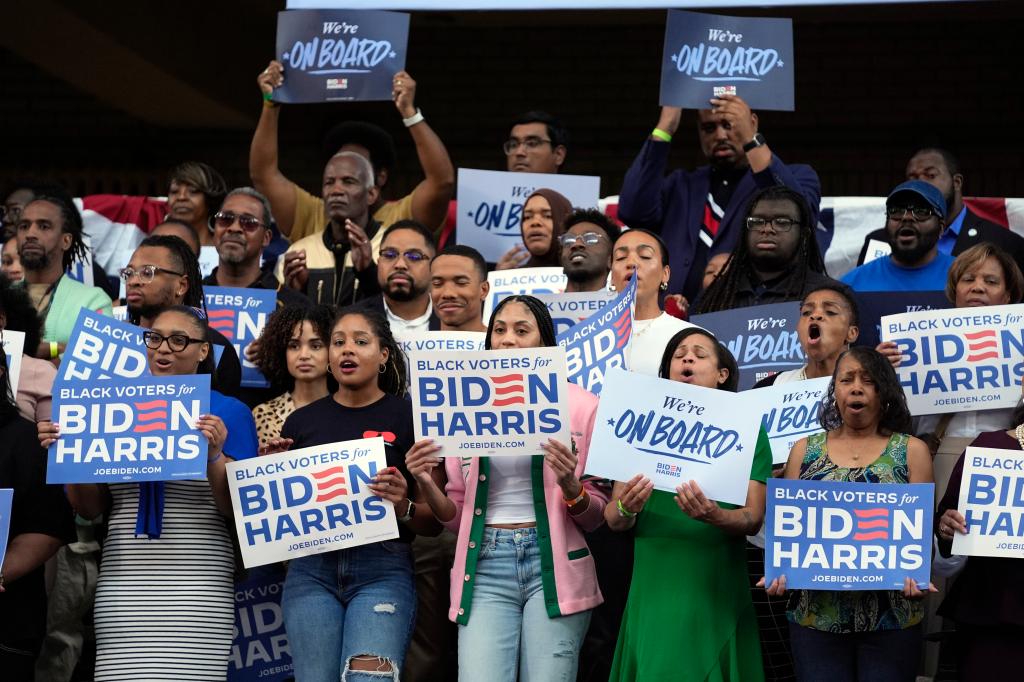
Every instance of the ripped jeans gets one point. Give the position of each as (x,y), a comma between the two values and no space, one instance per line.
(354,603)
(509,630)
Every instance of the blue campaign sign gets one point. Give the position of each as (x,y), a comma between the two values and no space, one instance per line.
(260,652)
(101,347)
(491,205)
(6,498)
(122,430)
(709,55)
(600,342)
(240,315)
(829,535)
(762,338)
(340,55)
(874,305)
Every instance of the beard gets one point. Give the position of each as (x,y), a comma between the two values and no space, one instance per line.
(402,293)
(926,241)
(35,261)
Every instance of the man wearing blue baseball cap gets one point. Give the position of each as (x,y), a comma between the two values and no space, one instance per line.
(914,219)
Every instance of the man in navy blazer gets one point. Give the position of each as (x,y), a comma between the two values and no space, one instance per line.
(964,227)
(700,213)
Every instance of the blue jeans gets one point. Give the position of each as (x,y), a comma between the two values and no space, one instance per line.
(358,602)
(509,629)
(882,656)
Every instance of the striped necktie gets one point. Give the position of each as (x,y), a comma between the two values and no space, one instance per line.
(712,218)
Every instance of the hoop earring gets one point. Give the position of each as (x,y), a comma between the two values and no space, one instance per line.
(383,368)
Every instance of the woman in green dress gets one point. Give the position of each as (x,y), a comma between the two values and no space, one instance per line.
(689,614)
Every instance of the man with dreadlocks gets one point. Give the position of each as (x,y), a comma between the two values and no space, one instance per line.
(49,241)
(164,272)
(777,259)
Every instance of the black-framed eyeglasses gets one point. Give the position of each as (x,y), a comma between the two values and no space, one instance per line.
(225,219)
(176,342)
(146,273)
(918,214)
(530,143)
(589,239)
(411,256)
(781,223)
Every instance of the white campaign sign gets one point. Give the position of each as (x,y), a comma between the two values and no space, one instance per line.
(569,309)
(959,359)
(490,403)
(490,205)
(992,502)
(673,432)
(790,412)
(418,342)
(877,249)
(533,281)
(14,349)
(309,501)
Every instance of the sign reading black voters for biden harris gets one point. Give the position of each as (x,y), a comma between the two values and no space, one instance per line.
(260,651)
(533,281)
(490,403)
(334,55)
(829,535)
(240,315)
(309,501)
(121,430)
(959,359)
(599,342)
(490,210)
(673,432)
(707,55)
(569,309)
(992,504)
(101,347)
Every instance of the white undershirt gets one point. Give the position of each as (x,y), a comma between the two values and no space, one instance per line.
(400,325)
(648,342)
(510,495)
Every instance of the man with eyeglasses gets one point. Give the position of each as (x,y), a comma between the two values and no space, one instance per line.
(403,274)
(776,261)
(537,143)
(700,213)
(586,250)
(915,218)
(241,230)
(964,228)
(300,214)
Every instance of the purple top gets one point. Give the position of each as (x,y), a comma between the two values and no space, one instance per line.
(990,591)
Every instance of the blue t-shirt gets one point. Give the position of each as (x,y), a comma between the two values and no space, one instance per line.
(882,274)
(241,442)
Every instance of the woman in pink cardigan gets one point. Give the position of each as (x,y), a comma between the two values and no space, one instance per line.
(523,582)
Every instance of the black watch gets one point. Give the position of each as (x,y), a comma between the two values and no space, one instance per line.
(758,141)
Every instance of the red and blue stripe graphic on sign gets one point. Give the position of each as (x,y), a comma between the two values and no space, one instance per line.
(224,322)
(622,326)
(981,345)
(150,416)
(508,390)
(868,520)
(330,483)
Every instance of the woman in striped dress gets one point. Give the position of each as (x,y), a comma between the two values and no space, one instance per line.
(165,599)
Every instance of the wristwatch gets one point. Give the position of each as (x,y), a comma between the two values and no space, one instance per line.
(409,511)
(758,141)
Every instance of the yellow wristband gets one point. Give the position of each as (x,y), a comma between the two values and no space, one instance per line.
(661,135)
(54,350)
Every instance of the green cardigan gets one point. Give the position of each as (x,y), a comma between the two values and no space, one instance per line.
(69,298)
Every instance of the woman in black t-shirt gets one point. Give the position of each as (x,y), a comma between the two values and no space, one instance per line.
(354,609)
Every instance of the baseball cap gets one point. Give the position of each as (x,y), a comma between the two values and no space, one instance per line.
(930,193)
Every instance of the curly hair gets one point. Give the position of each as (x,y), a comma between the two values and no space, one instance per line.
(723,357)
(541,314)
(271,357)
(393,379)
(895,415)
(721,294)
(20,313)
